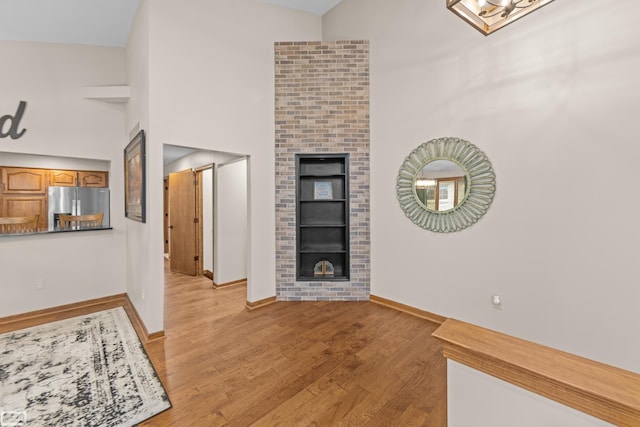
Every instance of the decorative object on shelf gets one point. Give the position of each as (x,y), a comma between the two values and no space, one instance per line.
(134,178)
(488,16)
(322,190)
(323,269)
(478,190)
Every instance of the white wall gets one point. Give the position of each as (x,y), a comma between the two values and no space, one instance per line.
(197,160)
(53,162)
(552,100)
(211,87)
(61,123)
(145,285)
(504,405)
(230,222)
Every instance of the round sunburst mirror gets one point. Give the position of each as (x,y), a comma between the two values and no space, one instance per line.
(446,185)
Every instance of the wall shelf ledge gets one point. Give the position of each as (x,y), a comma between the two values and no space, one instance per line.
(112,93)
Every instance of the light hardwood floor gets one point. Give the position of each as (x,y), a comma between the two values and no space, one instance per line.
(294,364)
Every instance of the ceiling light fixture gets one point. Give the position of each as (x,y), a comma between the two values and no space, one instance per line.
(488,16)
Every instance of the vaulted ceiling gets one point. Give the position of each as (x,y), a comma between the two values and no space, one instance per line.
(93,22)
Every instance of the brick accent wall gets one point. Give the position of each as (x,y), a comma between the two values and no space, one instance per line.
(322,106)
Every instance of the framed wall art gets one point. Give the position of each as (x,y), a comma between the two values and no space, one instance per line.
(134,178)
(322,190)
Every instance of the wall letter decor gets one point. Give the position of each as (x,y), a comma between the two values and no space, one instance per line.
(14,123)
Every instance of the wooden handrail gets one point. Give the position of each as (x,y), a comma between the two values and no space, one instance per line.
(603,391)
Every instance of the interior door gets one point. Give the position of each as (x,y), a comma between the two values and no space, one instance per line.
(183,223)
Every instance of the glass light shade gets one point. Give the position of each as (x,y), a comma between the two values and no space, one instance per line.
(491,17)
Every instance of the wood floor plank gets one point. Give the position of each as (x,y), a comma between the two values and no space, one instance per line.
(280,414)
(412,416)
(340,410)
(293,363)
(306,414)
(272,399)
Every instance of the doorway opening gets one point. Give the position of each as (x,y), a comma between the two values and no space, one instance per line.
(206,213)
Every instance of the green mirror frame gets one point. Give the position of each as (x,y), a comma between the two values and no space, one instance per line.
(480,188)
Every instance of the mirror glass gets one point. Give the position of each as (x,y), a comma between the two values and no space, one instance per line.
(445,185)
(441,185)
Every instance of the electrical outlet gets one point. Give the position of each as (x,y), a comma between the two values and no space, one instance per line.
(142,294)
(40,284)
(496,301)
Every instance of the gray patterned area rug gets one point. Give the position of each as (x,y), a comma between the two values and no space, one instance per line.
(86,371)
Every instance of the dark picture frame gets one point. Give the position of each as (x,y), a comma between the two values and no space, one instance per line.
(135,178)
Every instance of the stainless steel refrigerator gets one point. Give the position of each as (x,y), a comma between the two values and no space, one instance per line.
(77,201)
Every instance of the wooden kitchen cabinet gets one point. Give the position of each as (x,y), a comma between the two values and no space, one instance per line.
(14,205)
(93,179)
(24,193)
(63,178)
(24,181)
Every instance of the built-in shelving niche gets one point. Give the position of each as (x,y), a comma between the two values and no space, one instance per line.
(322,217)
